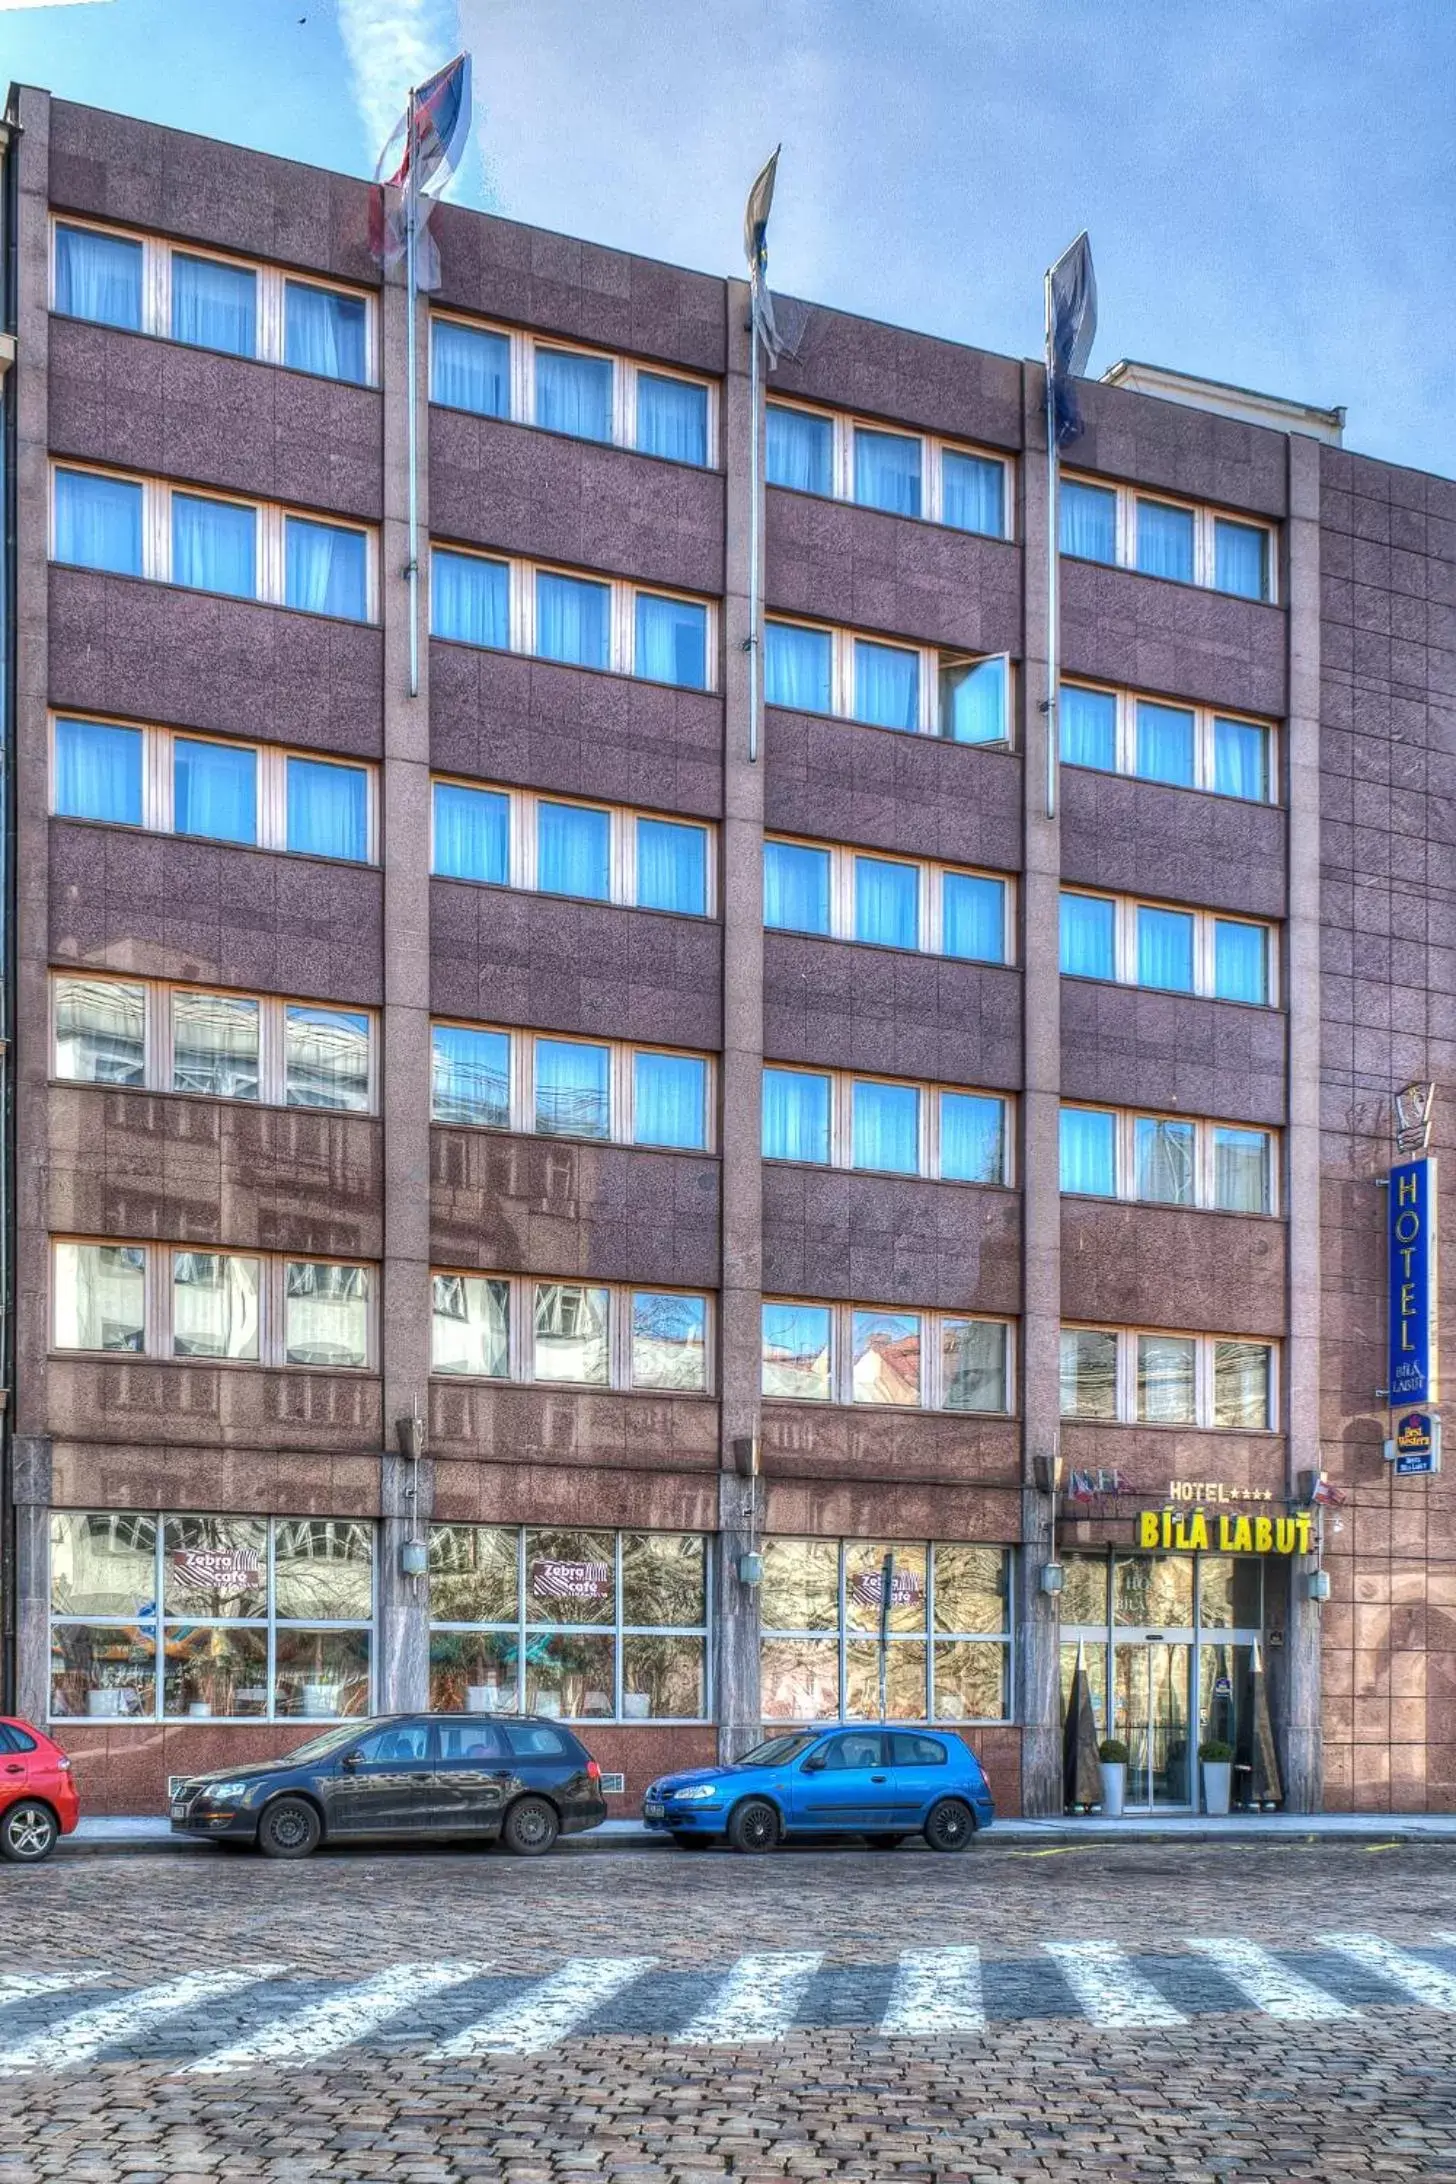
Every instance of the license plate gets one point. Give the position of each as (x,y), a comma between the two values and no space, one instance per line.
(179,1812)
(654,1809)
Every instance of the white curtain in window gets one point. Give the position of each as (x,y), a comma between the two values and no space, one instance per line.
(472,834)
(797,667)
(99,277)
(328,809)
(573,851)
(973,707)
(973,917)
(672,867)
(470,369)
(98,772)
(325,332)
(1165,949)
(972,1138)
(886,1127)
(1165,541)
(1088,1153)
(1088,925)
(1088,722)
(215,545)
(572,620)
(1088,521)
(99,522)
(1240,559)
(672,418)
(887,472)
(886,685)
(886,902)
(1240,961)
(1163,1157)
(669,1100)
(1241,1180)
(795,887)
(672,641)
(469,599)
(799,450)
(795,1116)
(574,394)
(215,790)
(1165,744)
(214,306)
(1241,760)
(470,1076)
(326,569)
(972,492)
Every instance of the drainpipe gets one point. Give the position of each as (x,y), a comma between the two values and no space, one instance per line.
(8,273)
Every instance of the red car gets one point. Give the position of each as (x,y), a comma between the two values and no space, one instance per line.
(38,1800)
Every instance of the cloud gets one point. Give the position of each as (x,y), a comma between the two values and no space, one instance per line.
(392,45)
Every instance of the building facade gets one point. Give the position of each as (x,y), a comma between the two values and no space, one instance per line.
(517,1197)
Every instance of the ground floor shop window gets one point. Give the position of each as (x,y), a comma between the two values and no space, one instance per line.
(585,1625)
(947,1651)
(180,1618)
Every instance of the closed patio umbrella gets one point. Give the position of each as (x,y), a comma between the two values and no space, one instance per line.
(1081,1775)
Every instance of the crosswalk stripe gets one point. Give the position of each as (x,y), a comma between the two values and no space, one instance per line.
(16,1986)
(78,2039)
(1270,1985)
(1433,1989)
(1101,1976)
(321,2028)
(936,1990)
(549,2010)
(759,2000)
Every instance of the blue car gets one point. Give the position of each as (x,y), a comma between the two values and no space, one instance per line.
(881,1783)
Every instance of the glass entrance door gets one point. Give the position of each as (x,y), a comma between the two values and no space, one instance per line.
(1151,1713)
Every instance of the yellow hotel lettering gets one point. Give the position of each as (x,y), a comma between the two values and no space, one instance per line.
(1170,1528)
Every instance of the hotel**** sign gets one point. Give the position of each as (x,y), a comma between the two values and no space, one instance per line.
(1413,1374)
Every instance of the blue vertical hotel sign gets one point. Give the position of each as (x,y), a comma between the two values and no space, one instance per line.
(1414,1291)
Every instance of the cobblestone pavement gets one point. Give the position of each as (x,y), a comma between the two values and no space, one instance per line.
(1137,2012)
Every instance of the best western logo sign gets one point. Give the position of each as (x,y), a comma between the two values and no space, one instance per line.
(1413,1370)
(1164,1529)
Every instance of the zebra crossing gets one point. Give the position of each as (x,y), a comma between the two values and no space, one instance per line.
(225,2021)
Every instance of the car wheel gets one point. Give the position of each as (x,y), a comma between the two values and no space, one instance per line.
(885,1842)
(28,1833)
(687,1841)
(754,1826)
(289,1828)
(950,1825)
(531,1828)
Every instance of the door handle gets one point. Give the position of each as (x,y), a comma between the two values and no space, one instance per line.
(14,1767)
(879,1778)
(422,1776)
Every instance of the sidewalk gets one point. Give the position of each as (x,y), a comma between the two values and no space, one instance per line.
(117,1835)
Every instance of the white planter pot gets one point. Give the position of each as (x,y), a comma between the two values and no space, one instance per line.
(1114,1787)
(199,1710)
(548,1705)
(482,1698)
(635,1705)
(1218,1775)
(105,1705)
(320,1698)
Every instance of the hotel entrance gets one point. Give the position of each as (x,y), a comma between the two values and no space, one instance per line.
(1167,1641)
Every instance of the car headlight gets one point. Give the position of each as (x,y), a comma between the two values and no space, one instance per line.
(221,1792)
(696,1794)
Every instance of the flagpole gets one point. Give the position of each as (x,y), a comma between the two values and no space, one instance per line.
(1054,604)
(755,522)
(412,566)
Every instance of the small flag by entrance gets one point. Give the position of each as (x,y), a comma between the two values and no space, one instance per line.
(430,135)
(1071,330)
(755,247)
(1104,1484)
(1327,1495)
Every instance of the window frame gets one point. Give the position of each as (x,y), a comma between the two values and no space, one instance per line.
(157,1322)
(844,424)
(522,847)
(930,921)
(521,575)
(621,1086)
(1205,515)
(932,1377)
(1125,1384)
(1205,1154)
(1205,718)
(1205,922)
(842,1083)
(932,661)
(521,1334)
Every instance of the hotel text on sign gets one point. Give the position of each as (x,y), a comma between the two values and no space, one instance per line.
(1413,1372)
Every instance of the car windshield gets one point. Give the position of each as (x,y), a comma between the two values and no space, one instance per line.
(332,1740)
(777,1751)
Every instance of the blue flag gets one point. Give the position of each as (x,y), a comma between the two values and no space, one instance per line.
(1071,330)
(755,249)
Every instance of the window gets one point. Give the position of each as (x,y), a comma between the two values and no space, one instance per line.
(580,621)
(1172,951)
(157,1301)
(1175,540)
(98,772)
(796,1115)
(1088,1153)
(844,458)
(581,392)
(948,1634)
(885,1125)
(240,549)
(146,285)
(162,1038)
(327,809)
(1167,1160)
(913,689)
(886,902)
(1186,747)
(214,790)
(262,1618)
(834,1119)
(1135,1378)
(585,1625)
(823,1353)
(569,1333)
(521,1081)
(597,853)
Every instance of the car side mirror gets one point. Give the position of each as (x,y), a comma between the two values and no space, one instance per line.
(351,1760)
(815,1763)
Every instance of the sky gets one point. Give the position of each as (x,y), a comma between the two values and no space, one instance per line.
(1270,185)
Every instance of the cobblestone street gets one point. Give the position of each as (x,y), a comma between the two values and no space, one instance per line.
(1121,2012)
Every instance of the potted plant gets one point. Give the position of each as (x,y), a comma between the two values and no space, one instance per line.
(1112,1765)
(1218,1771)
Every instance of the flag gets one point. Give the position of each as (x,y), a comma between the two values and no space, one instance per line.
(1326,1494)
(755,249)
(1071,330)
(429,151)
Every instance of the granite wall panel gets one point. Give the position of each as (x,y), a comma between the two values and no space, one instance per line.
(1161,1266)
(1174,448)
(1178,845)
(845,1006)
(1129,1047)
(840,563)
(1173,640)
(298,1479)
(876,1239)
(888,371)
(142,1403)
(912,795)
(890,1465)
(480,1423)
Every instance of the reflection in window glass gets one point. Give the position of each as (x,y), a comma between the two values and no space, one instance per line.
(470,1076)
(323,1568)
(796,1352)
(973,1364)
(1241,1385)
(215,1045)
(1163,1158)
(669,1341)
(326,1059)
(103,1564)
(474,1573)
(885,1359)
(1084,1589)
(1230,1593)
(100,1031)
(800,1589)
(1242,1170)
(1165,1380)
(470,1325)
(570,1323)
(214,1305)
(326,1314)
(573,1089)
(100,1296)
(1089,1373)
(972,1138)
(1153,1591)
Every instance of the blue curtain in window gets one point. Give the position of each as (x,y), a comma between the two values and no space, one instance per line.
(213,306)
(672,641)
(887,472)
(573,1089)
(1241,760)
(886,685)
(1165,949)
(472,834)
(1240,559)
(574,394)
(1088,521)
(470,369)
(214,546)
(886,902)
(669,1101)
(1165,541)
(1165,745)
(326,569)
(798,450)
(470,1076)
(672,419)
(215,790)
(1089,1152)
(99,277)
(973,917)
(573,851)
(1088,720)
(1088,942)
(325,332)
(886,1127)
(328,809)
(972,494)
(573,620)
(797,667)
(98,772)
(1240,961)
(795,888)
(972,1138)
(99,522)
(672,867)
(973,706)
(470,599)
(795,1116)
